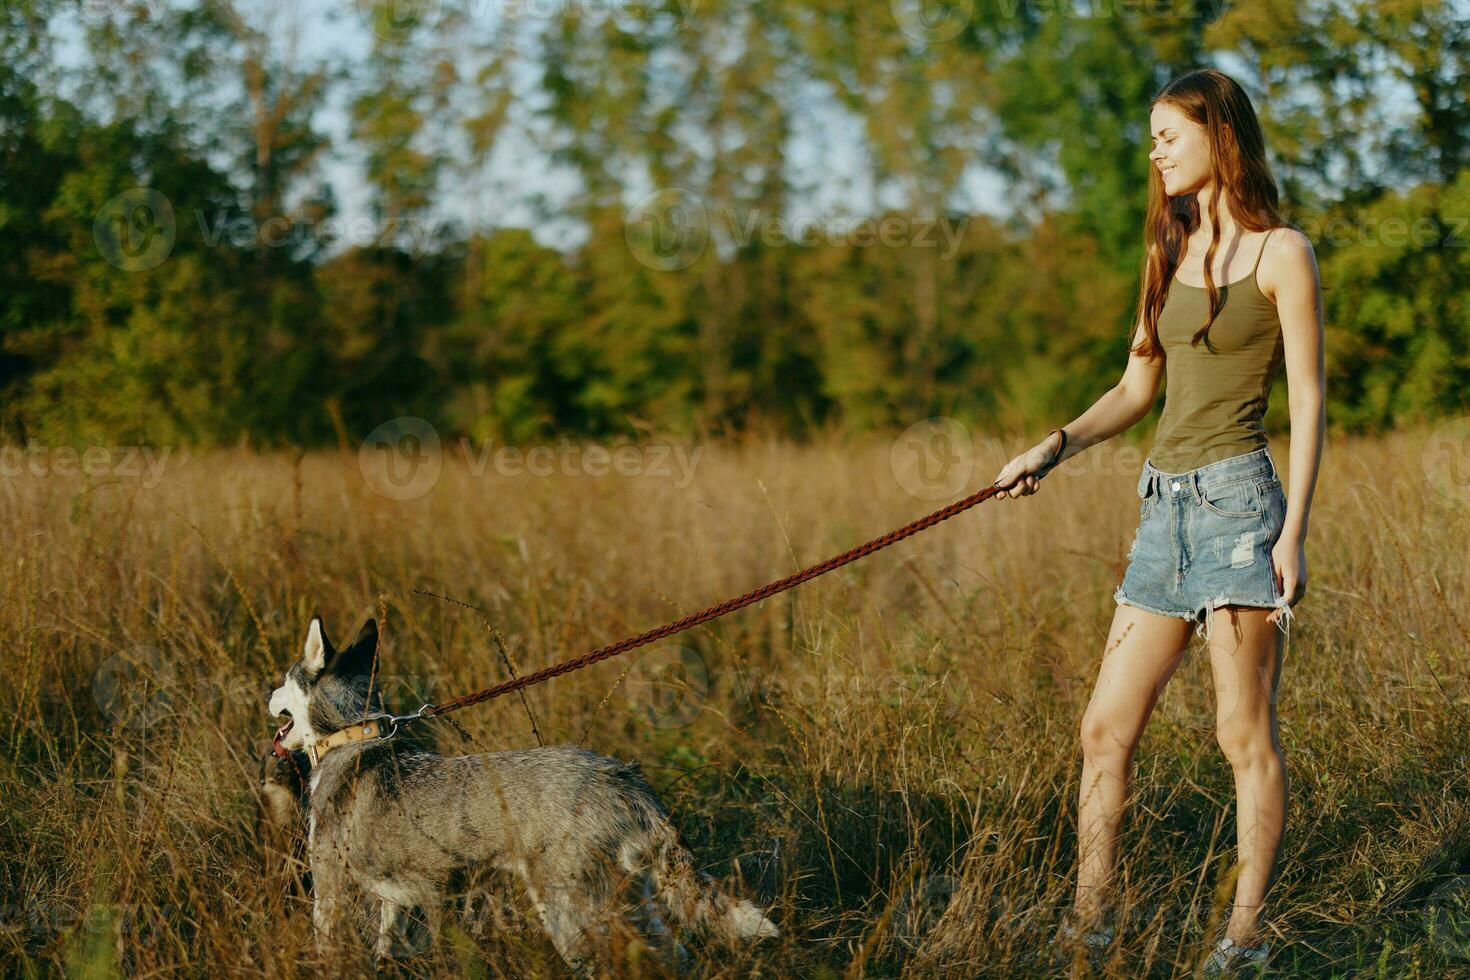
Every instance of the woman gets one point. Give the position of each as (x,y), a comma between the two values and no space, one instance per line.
(1230,292)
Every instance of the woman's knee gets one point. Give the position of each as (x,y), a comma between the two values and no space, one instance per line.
(1103,737)
(1246,741)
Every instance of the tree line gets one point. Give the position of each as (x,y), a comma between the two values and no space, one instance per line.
(176,269)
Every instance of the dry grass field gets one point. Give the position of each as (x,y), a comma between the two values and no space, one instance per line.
(887,757)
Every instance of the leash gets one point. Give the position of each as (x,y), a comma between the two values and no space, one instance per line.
(694,619)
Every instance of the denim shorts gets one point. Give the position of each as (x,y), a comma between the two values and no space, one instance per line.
(1204,539)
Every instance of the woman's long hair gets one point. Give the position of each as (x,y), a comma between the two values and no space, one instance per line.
(1238,169)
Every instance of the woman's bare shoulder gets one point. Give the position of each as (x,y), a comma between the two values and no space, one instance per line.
(1288,256)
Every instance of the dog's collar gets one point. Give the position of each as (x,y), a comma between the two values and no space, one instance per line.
(373,728)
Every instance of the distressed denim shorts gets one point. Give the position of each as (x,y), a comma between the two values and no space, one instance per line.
(1204,539)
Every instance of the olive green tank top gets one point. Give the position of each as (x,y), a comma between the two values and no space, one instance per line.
(1214,401)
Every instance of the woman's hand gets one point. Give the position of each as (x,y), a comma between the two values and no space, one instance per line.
(1289,561)
(1020,474)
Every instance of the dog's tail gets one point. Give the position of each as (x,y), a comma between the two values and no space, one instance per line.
(694,898)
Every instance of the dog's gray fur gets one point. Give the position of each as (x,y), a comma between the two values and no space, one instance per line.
(397,821)
(479,896)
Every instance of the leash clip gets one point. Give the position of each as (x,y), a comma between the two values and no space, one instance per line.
(397,720)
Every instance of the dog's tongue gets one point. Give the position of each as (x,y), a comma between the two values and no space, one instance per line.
(276,745)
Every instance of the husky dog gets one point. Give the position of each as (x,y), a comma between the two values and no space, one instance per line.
(479,899)
(397,821)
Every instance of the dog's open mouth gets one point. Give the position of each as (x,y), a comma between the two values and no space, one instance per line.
(276,745)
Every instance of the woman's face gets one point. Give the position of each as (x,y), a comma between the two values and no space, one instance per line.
(1180,150)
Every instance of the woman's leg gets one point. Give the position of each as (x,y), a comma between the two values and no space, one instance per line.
(1142,653)
(1245,656)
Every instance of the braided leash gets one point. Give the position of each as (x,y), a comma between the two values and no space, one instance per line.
(705,615)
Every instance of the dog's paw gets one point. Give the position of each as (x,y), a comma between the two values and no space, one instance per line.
(750,922)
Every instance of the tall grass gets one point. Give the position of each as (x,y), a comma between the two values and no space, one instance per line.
(886,756)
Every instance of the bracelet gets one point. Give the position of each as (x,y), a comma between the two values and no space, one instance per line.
(1056,458)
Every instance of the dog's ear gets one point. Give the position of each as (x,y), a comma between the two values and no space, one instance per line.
(318,648)
(357,659)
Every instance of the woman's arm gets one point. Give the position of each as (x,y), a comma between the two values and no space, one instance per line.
(1299,306)
(1119,407)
